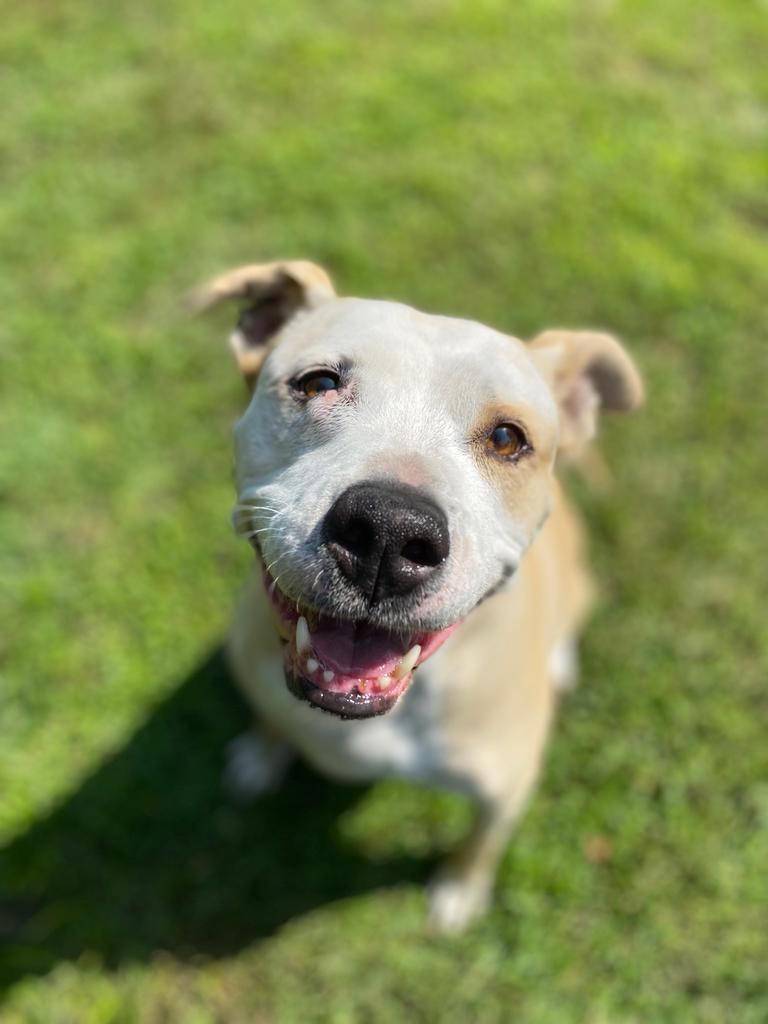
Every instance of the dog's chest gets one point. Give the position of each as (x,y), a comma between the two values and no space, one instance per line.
(406,742)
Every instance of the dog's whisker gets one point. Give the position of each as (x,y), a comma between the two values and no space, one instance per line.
(259,520)
(241,507)
(245,530)
(279,558)
(247,523)
(276,581)
(248,510)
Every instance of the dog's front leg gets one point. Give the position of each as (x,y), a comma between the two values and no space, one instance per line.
(257,761)
(461,890)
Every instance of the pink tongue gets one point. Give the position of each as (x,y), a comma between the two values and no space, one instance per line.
(357,651)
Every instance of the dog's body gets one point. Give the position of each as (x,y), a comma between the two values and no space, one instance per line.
(393,470)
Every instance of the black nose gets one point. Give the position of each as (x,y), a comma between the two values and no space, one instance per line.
(387,538)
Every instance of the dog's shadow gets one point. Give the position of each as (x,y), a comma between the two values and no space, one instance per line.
(150,854)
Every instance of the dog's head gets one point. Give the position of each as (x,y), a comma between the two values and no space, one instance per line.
(392,468)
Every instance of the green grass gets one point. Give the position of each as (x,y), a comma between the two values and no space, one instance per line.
(529,165)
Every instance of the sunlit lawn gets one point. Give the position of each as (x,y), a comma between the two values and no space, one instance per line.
(530,165)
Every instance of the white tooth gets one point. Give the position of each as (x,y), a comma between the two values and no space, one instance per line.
(312,665)
(383,682)
(328,676)
(303,639)
(407,662)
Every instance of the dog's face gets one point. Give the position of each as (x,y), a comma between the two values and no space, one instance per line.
(392,468)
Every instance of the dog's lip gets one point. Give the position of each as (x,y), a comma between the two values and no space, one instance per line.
(353,704)
(351,669)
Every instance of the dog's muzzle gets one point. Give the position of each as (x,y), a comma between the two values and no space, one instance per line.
(388,543)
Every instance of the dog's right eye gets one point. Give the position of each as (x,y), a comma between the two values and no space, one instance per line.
(318,382)
(507,440)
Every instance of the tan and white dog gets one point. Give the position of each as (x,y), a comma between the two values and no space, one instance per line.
(420,582)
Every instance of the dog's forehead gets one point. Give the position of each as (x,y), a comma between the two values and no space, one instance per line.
(406,345)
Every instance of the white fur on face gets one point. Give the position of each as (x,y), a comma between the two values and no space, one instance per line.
(418,387)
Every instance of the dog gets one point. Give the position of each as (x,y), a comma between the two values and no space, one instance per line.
(420,583)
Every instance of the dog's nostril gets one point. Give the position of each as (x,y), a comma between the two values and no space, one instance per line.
(358,537)
(421,552)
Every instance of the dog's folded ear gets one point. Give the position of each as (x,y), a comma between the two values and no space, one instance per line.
(269,294)
(587,371)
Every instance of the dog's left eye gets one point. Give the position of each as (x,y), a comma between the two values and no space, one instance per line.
(507,440)
(318,382)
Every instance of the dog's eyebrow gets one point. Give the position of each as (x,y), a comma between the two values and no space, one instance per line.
(322,361)
(495,412)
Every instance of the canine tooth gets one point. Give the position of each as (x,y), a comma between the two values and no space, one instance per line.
(312,665)
(303,639)
(407,662)
(328,676)
(383,682)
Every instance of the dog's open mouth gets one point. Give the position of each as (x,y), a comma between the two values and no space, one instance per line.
(352,669)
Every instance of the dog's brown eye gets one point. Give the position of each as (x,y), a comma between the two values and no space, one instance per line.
(318,383)
(506,440)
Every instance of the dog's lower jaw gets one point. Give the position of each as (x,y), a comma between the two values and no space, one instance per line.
(350,705)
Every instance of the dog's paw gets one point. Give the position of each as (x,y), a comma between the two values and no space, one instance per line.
(255,765)
(456,901)
(564,666)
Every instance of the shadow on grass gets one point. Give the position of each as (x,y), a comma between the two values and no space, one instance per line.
(150,854)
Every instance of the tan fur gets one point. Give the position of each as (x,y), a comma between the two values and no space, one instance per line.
(588,371)
(249,281)
(499,738)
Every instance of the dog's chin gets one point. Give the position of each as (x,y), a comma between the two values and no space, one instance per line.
(350,669)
